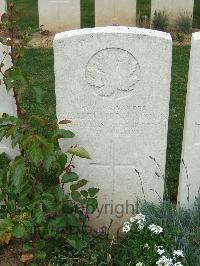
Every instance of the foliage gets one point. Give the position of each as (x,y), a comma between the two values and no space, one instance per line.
(33,209)
(184,225)
(160,21)
(96,252)
(184,23)
(145,244)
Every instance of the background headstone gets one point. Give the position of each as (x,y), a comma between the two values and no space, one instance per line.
(173,8)
(2,7)
(189,185)
(115,12)
(7,103)
(114,84)
(59,15)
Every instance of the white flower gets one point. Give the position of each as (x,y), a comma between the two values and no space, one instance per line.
(178,264)
(140,264)
(160,251)
(127,227)
(178,253)
(139,219)
(156,229)
(164,261)
(147,246)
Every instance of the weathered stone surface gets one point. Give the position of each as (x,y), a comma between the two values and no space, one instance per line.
(59,15)
(173,8)
(115,12)
(189,185)
(114,84)
(2,7)
(7,104)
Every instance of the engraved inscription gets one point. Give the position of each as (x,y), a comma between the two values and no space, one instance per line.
(112,72)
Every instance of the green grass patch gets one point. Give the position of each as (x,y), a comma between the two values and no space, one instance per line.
(196,20)
(29,13)
(38,65)
(144,8)
(177,112)
(87,13)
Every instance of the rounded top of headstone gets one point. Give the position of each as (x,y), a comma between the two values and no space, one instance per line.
(196,36)
(114,30)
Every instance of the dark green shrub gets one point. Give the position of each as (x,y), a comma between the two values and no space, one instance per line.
(184,23)
(32,208)
(160,21)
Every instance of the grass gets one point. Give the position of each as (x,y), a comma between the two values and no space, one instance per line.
(144,8)
(196,20)
(176,118)
(29,13)
(87,13)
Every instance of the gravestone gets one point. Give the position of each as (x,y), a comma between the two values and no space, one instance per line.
(7,104)
(189,185)
(113,83)
(115,12)
(173,9)
(2,7)
(59,15)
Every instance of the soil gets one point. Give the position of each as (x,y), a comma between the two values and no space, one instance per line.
(10,254)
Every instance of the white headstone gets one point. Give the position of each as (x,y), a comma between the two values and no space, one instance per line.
(7,104)
(115,12)
(189,185)
(2,7)
(114,84)
(173,9)
(59,15)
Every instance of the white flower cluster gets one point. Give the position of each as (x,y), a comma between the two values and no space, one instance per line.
(139,219)
(126,227)
(156,229)
(140,264)
(178,253)
(164,261)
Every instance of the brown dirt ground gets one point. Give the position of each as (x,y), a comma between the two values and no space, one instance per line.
(10,254)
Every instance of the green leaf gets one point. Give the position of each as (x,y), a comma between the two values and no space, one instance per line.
(40,255)
(92,205)
(34,151)
(18,171)
(27,247)
(39,216)
(38,93)
(59,193)
(93,191)
(72,220)
(80,152)
(40,244)
(69,177)
(78,242)
(62,133)
(59,222)
(76,196)
(84,193)
(18,231)
(14,77)
(79,184)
